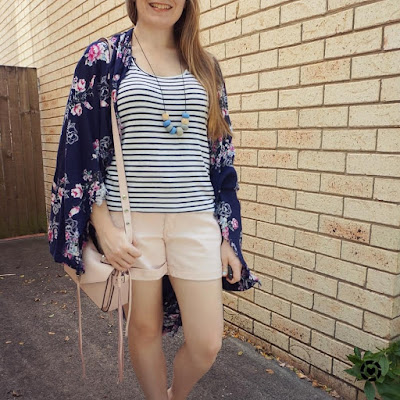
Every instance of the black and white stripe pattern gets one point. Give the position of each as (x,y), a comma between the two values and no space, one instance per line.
(164,172)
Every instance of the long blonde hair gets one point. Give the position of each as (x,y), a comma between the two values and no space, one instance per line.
(202,64)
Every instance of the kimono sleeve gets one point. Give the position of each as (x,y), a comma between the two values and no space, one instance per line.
(227,206)
(83,152)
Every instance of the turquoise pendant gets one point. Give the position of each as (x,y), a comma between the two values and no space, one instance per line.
(172,129)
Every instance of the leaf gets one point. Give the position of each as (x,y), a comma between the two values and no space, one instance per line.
(270,371)
(357,352)
(384,363)
(21,343)
(369,390)
(240,353)
(66,338)
(354,359)
(52,333)
(51,315)
(8,341)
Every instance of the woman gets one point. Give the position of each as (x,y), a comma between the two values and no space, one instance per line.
(171,105)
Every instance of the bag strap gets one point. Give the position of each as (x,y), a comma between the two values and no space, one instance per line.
(117,134)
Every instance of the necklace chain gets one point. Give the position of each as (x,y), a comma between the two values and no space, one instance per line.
(180,64)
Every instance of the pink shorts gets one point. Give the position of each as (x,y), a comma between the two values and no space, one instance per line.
(185,245)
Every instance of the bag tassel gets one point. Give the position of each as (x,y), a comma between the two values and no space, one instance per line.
(120,325)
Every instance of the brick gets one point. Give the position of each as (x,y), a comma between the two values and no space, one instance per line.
(280,78)
(245,156)
(354,43)
(328,25)
(302,9)
(275,233)
(352,92)
(262,176)
(242,84)
(280,37)
(249,226)
(382,282)
(302,54)
(244,45)
(293,293)
(246,120)
(311,355)
(218,50)
(387,189)
(260,212)
(247,7)
(257,245)
(230,67)
(296,218)
(260,61)
(391,37)
(321,203)
(238,319)
(212,18)
(386,237)
(323,117)
(376,14)
(348,185)
(271,3)
(377,325)
(330,346)
(326,71)
(338,310)
(356,337)
(254,311)
(290,328)
(272,303)
(390,89)
(259,139)
(206,5)
(374,257)
(231,11)
(273,268)
(294,256)
(313,320)
(266,285)
(271,335)
(299,139)
(322,160)
(230,300)
(277,158)
(349,139)
(334,4)
(342,270)
(344,228)
(338,370)
(374,164)
(276,196)
(389,140)
(260,21)
(278,119)
(315,282)
(375,115)
(365,299)
(247,192)
(301,97)
(290,359)
(376,65)
(234,103)
(298,180)
(225,31)
(317,243)
(260,101)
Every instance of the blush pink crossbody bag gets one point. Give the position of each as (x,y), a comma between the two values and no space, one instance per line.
(106,286)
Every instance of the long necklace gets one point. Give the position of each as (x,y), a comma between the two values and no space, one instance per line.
(165,116)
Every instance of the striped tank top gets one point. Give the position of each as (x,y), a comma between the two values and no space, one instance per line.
(164,172)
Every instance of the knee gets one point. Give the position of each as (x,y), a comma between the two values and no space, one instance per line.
(205,351)
(145,330)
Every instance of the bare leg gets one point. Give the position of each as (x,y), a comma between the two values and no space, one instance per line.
(145,338)
(200,303)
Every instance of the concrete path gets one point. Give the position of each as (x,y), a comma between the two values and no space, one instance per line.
(39,356)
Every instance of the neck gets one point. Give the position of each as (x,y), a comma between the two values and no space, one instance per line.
(154,38)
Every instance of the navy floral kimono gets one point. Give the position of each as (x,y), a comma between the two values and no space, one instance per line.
(86,149)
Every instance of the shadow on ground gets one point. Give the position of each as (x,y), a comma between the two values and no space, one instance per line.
(39,356)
